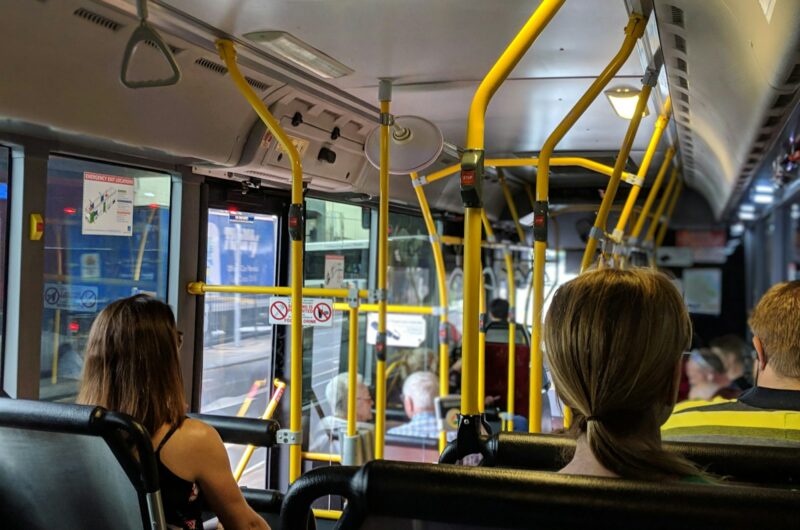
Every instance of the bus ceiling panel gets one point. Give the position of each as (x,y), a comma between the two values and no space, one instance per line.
(522,114)
(66,79)
(732,67)
(419,41)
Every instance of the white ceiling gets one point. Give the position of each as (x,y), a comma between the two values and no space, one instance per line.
(438,51)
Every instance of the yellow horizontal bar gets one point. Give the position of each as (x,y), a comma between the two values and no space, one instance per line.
(452,240)
(397,309)
(322,457)
(331,515)
(519,162)
(200,288)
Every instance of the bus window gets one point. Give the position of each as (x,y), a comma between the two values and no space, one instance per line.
(5,154)
(337,239)
(107,238)
(237,335)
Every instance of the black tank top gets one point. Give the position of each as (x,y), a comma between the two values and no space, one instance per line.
(181,497)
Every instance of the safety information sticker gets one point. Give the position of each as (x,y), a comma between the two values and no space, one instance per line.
(107,205)
(316,311)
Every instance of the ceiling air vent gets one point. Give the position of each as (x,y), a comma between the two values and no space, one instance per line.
(680,64)
(794,75)
(763,137)
(781,101)
(680,43)
(683,97)
(173,49)
(255,83)
(97,19)
(772,121)
(676,16)
(683,108)
(683,83)
(211,65)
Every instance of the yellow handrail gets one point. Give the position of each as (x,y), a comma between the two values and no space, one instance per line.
(472,219)
(512,331)
(512,208)
(662,204)
(280,387)
(352,370)
(662,232)
(296,228)
(633,195)
(601,220)
(322,457)
(438,260)
(653,193)
(633,31)
(200,288)
(561,161)
(383,268)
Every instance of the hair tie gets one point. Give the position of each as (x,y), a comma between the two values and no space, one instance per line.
(592,418)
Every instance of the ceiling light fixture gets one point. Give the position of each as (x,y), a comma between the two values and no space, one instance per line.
(759,198)
(746,207)
(287,46)
(747,216)
(624,99)
(764,188)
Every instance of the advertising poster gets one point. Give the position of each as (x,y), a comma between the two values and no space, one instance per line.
(107,205)
(703,291)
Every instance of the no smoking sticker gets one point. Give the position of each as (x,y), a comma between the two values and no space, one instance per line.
(316,311)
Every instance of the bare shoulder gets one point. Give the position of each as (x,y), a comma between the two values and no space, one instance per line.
(199,434)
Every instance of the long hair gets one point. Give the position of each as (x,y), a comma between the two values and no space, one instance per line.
(614,340)
(132,363)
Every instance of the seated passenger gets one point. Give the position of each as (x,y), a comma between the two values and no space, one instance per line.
(132,366)
(614,341)
(498,310)
(734,354)
(420,391)
(327,435)
(768,414)
(707,379)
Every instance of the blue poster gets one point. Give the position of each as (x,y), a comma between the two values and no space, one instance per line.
(241,248)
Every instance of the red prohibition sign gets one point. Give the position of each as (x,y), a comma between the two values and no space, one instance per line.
(322,312)
(279,310)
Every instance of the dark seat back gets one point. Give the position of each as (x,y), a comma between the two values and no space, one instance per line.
(245,431)
(73,467)
(751,464)
(399,495)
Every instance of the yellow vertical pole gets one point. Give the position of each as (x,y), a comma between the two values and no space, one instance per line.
(633,31)
(438,260)
(601,220)
(662,204)
(482,347)
(385,96)
(652,194)
(352,368)
(296,232)
(471,181)
(662,231)
(512,328)
(633,195)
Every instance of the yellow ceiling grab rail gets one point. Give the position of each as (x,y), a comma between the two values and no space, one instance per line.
(296,232)
(651,196)
(633,194)
(599,229)
(633,31)
(662,231)
(468,439)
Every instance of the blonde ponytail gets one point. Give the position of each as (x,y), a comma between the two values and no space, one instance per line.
(614,340)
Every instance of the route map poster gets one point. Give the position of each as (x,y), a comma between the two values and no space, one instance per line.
(107,205)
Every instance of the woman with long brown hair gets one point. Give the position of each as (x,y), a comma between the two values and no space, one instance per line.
(132,366)
(614,341)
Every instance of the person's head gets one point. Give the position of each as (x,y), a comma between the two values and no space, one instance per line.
(422,359)
(776,331)
(614,341)
(734,353)
(336,394)
(131,362)
(420,391)
(704,367)
(498,310)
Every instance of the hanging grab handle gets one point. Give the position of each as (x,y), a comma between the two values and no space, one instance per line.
(146,33)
